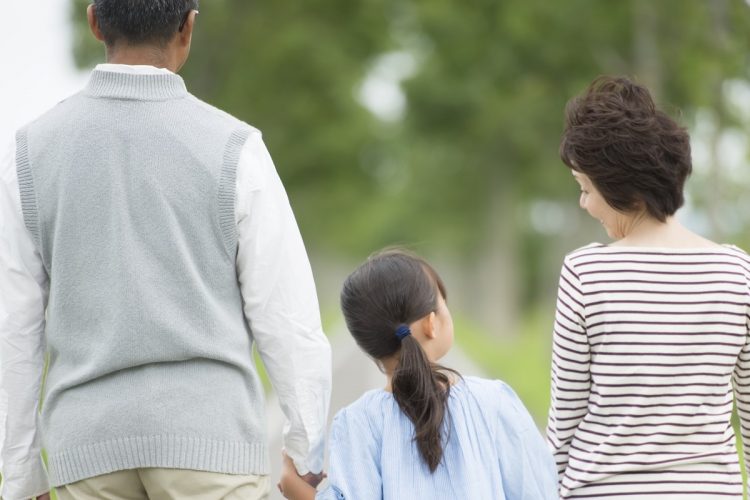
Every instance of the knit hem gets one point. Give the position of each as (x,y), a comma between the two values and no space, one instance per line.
(164,451)
(227,195)
(26,186)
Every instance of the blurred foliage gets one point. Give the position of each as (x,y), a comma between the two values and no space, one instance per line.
(522,361)
(483,114)
(496,78)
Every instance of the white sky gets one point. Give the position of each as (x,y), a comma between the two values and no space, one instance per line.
(36,60)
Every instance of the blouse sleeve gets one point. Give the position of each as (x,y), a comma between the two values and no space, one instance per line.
(571,358)
(526,464)
(354,467)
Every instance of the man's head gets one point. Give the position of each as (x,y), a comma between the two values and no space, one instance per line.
(156,25)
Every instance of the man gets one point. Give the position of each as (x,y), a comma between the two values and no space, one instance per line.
(147,242)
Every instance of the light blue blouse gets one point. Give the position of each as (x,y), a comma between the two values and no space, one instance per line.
(493,450)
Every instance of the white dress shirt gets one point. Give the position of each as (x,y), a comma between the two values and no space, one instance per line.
(280,305)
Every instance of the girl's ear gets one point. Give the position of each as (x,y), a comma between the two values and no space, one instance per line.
(429,326)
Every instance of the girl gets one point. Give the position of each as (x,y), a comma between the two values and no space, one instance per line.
(430,433)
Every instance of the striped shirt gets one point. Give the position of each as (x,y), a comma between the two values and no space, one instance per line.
(650,345)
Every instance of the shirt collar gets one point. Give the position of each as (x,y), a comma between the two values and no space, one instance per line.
(133,69)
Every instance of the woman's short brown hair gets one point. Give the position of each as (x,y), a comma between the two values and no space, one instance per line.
(634,154)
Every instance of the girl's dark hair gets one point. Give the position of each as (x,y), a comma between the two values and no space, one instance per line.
(393,288)
(141,21)
(634,154)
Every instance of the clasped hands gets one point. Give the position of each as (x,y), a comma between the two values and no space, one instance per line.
(294,486)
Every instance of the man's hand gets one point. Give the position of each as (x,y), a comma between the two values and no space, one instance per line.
(43,496)
(294,486)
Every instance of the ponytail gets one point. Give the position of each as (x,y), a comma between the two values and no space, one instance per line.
(421,389)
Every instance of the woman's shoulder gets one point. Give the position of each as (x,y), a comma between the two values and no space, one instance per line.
(617,252)
(592,248)
(738,252)
(741,257)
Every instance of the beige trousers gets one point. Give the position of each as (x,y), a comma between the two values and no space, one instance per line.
(167,484)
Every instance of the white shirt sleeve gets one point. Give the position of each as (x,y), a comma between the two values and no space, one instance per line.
(24,288)
(281,304)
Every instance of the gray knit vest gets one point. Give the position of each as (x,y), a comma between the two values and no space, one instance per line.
(128,190)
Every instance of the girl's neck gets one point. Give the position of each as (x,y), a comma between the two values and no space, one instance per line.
(649,232)
(389,365)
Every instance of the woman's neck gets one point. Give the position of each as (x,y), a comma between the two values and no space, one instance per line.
(645,231)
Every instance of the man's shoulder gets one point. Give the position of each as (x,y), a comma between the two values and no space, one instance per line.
(209,110)
(58,111)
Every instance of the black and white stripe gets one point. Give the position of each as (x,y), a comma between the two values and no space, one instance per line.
(649,347)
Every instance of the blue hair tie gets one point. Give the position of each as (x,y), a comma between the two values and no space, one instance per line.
(402,331)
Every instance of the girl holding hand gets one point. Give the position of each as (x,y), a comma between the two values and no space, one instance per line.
(430,433)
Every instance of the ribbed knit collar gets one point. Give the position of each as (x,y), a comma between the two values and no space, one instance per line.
(117,85)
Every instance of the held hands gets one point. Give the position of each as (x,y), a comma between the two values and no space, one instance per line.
(294,486)
(314,479)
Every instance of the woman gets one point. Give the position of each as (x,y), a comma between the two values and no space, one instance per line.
(651,331)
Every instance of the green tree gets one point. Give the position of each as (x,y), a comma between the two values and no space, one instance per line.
(476,148)
(485,109)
